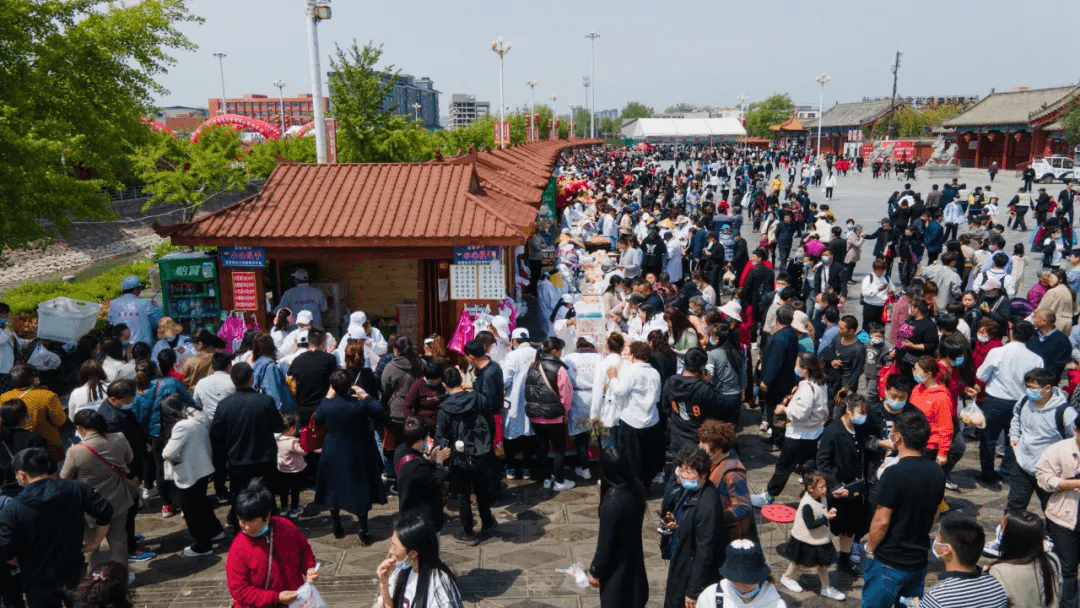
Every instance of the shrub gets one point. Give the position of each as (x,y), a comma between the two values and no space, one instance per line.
(24,299)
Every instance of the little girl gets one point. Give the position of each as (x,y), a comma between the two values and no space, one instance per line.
(290,465)
(1018,262)
(810,545)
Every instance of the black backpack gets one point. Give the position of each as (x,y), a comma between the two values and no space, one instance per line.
(474,431)
(1059,414)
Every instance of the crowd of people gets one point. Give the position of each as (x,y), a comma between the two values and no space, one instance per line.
(725,300)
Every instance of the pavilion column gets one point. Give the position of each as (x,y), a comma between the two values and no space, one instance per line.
(1005,152)
(978,147)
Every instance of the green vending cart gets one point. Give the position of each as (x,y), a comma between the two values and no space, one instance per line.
(189,289)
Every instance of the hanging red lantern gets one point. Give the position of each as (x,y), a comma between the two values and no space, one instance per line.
(990,137)
(967,136)
(1018,136)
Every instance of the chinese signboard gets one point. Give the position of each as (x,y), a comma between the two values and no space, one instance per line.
(244,296)
(474,255)
(191,271)
(478,282)
(243,257)
(502,133)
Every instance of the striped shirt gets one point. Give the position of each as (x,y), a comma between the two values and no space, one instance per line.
(966,590)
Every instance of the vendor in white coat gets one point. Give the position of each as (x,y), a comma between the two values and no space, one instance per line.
(296,341)
(581,368)
(304,297)
(603,404)
(674,257)
(515,422)
(360,329)
(500,328)
(550,292)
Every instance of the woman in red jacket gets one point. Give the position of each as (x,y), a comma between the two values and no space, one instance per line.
(934,401)
(291,564)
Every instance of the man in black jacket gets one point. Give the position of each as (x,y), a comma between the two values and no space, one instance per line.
(759,281)
(777,376)
(420,477)
(42,527)
(691,400)
(244,425)
(827,276)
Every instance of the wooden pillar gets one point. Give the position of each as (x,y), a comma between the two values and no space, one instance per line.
(978,147)
(1005,152)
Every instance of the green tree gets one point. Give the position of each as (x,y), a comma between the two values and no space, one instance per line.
(263,157)
(1072,125)
(179,172)
(608,126)
(357,91)
(679,108)
(581,123)
(76,78)
(403,141)
(763,114)
(911,122)
(636,109)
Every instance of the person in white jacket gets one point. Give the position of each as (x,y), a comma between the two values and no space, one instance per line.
(603,406)
(581,367)
(515,423)
(189,464)
(360,329)
(806,409)
(640,437)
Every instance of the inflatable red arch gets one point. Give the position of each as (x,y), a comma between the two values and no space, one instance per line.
(154,125)
(240,123)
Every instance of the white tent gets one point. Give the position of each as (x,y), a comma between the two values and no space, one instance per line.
(683,130)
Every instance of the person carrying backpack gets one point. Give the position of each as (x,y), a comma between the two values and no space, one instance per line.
(1041,418)
(461,426)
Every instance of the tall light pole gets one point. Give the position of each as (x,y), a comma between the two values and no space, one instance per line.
(585,80)
(221,65)
(742,99)
(416,110)
(592,36)
(554,117)
(532,93)
(280,84)
(821,108)
(892,104)
(501,49)
(317,10)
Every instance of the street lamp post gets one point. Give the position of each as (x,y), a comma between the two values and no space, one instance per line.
(416,110)
(592,36)
(317,10)
(554,117)
(221,65)
(532,93)
(501,49)
(585,80)
(280,84)
(821,105)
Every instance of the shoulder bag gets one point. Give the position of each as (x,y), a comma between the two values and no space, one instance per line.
(131,488)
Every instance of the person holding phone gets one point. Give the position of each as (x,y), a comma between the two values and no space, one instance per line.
(422,471)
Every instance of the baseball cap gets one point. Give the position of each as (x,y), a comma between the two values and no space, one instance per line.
(300,275)
(520,333)
(991,284)
(304,316)
(130,282)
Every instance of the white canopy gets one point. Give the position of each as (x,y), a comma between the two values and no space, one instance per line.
(673,130)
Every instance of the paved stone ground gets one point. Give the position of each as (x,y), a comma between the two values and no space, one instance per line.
(541,530)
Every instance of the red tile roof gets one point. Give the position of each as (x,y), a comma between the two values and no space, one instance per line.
(478,198)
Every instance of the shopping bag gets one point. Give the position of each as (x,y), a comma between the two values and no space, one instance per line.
(307,596)
(972,415)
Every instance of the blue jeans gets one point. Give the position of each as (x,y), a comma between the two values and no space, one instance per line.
(884,586)
(999,413)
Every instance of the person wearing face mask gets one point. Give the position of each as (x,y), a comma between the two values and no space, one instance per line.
(876,350)
(1058,473)
(827,276)
(881,418)
(963,584)
(841,457)
(747,580)
(10,345)
(47,414)
(1040,418)
(690,516)
(270,559)
(413,575)
(933,400)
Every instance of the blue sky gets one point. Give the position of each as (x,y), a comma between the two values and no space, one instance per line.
(701,52)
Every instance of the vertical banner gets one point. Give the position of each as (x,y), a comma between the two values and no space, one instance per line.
(331,140)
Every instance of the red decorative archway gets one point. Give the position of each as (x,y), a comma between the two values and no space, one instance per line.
(154,125)
(305,128)
(240,123)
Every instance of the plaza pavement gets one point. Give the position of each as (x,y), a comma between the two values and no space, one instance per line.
(541,530)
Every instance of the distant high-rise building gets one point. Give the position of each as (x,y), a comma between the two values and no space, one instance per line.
(298,110)
(407,92)
(464,110)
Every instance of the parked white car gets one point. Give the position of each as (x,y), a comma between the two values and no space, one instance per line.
(1050,169)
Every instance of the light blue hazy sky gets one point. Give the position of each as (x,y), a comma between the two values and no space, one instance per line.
(697,51)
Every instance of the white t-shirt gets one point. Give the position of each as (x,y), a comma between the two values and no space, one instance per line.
(768,597)
(79,399)
(441,593)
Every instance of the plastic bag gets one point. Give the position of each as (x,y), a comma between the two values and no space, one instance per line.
(578,572)
(43,359)
(307,596)
(971,415)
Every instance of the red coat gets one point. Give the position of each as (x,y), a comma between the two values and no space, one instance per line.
(245,568)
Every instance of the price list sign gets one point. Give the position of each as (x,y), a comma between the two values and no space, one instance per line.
(244,296)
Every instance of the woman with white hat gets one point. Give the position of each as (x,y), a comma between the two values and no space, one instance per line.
(499,326)
(361,330)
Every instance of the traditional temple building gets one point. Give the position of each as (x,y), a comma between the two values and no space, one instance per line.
(845,124)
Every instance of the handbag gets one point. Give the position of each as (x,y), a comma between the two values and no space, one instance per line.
(312,436)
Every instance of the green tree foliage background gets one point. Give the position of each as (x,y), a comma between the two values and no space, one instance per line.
(763,114)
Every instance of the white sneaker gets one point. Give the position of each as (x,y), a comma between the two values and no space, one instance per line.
(764,428)
(297,512)
(791,584)
(659,479)
(583,473)
(189,552)
(548,482)
(283,513)
(565,485)
(760,500)
(833,594)
(147,494)
(992,549)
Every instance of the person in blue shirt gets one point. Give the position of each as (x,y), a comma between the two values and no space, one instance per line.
(1073,275)
(934,237)
(138,314)
(1054,347)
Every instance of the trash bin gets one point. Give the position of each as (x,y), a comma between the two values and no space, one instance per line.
(66,320)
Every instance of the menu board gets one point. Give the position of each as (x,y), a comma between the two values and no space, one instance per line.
(244,296)
(462,282)
(492,282)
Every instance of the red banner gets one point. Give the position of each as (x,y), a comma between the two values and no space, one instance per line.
(331,140)
(244,296)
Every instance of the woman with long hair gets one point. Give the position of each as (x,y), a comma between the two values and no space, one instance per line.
(841,458)
(618,565)
(105,587)
(681,334)
(397,378)
(435,347)
(91,390)
(636,390)
(269,379)
(1030,574)
(189,465)
(917,336)
(280,327)
(150,390)
(1061,299)
(549,395)
(728,375)
(413,575)
(663,359)
(806,410)
(350,469)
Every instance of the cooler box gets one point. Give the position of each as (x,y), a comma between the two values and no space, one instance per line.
(66,320)
(591,321)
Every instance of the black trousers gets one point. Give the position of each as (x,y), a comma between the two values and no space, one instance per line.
(1021,486)
(61,593)
(526,445)
(794,453)
(644,448)
(1019,223)
(11,588)
(165,486)
(553,435)
(242,475)
(535,266)
(288,485)
(199,515)
(950,231)
(1067,548)
(871,314)
(465,483)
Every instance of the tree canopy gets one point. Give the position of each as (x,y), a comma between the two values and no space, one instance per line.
(911,122)
(357,90)
(763,114)
(76,80)
(636,109)
(1072,124)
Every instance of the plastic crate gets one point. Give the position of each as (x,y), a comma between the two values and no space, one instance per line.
(66,320)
